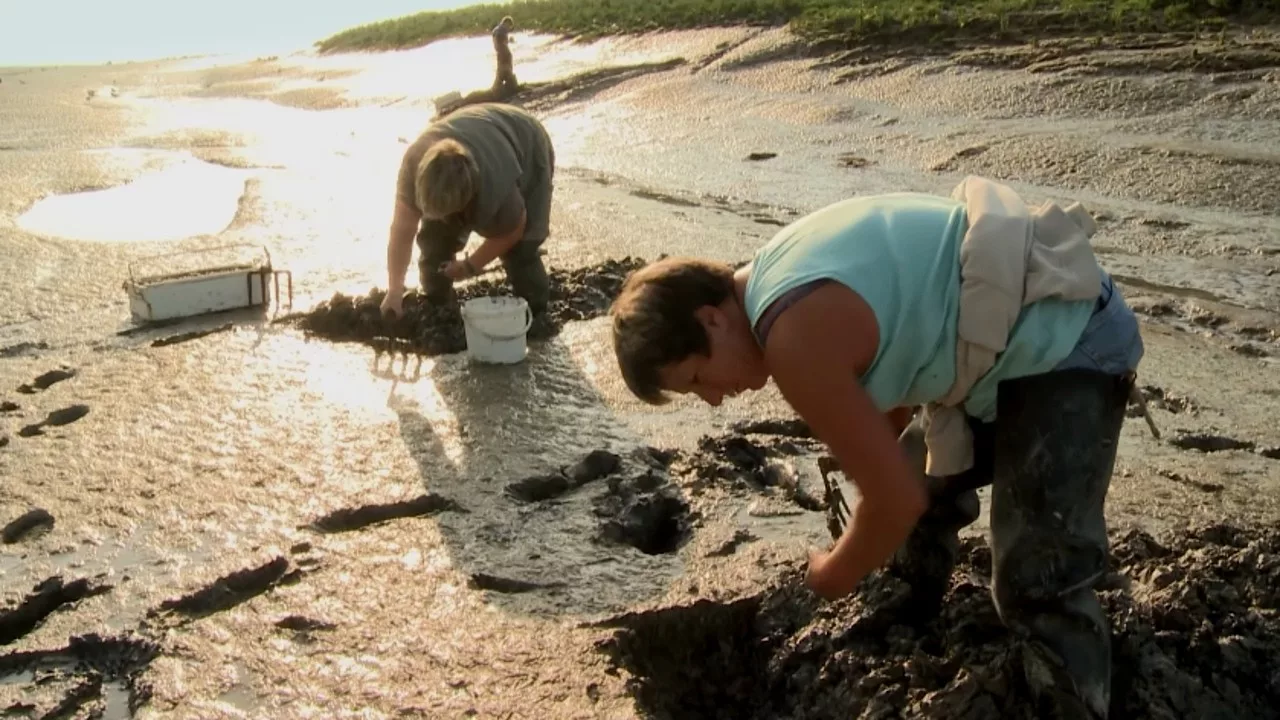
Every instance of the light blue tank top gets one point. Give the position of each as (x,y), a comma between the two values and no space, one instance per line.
(901,253)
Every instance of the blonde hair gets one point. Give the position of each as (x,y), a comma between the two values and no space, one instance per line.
(447,179)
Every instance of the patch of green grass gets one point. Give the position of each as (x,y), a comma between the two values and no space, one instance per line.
(814,19)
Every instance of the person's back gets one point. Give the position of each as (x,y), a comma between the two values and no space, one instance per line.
(510,145)
(900,252)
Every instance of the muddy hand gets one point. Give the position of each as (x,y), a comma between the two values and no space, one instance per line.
(392,305)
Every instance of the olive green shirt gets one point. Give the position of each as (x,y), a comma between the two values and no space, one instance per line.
(516,162)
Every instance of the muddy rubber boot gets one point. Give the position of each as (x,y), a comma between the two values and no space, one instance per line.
(528,275)
(926,559)
(1055,448)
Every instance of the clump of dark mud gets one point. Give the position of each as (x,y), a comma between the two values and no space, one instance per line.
(645,512)
(427,329)
(43,601)
(358,518)
(1197,635)
(760,456)
(228,591)
(597,464)
(56,418)
(47,380)
(1209,443)
(30,523)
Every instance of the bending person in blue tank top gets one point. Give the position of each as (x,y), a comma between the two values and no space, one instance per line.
(858,312)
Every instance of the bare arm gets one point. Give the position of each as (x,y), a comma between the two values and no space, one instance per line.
(404,225)
(497,246)
(817,370)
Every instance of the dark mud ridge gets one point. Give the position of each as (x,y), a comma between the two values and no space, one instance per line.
(1195,635)
(579,294)
(45,599)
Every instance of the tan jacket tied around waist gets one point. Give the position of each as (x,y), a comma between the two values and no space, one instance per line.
(1011,256)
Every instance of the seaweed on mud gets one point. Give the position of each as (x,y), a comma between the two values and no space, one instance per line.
(428,329)
(1196,634)
(358,518)
(46,598)
(228,591)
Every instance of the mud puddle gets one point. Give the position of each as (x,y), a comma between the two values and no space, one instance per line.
(1195,634)
(578,294)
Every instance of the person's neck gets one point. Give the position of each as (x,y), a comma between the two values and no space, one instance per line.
(740,278)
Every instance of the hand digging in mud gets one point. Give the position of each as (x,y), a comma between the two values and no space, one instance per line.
(856,313)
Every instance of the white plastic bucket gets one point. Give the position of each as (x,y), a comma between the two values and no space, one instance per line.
(496,329)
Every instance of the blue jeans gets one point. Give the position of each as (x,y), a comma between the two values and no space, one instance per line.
(1111,342)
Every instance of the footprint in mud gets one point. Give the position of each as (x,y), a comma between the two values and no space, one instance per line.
(596,465)
(45,599)
(57,418)
(30,524)
(645,512)
(47,380)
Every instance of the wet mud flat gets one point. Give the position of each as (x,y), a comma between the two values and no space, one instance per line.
(427,329)
(1196,633)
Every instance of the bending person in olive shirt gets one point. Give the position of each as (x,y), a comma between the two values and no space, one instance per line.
(485,168)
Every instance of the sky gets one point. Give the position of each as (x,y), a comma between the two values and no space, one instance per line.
(64,32)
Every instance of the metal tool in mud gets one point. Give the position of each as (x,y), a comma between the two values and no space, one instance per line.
(396,345)
(837,506)
(1137,398)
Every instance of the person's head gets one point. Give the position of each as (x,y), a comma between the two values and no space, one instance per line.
(678,327)
(507,22)
(447,179)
